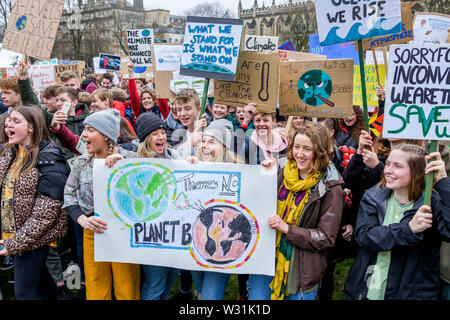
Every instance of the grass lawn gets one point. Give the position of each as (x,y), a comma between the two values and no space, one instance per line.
(231,292)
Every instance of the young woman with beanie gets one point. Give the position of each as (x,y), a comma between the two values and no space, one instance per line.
(153,144)
(216,146)
(309,208)
(101,130)
(32,176)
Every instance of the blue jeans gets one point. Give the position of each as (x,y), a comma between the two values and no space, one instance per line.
(197,277)
(214,285)
(158,282)
(259,289)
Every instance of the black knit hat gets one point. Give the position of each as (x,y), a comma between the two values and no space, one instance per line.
(147,123)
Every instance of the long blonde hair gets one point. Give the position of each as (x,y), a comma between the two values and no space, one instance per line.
(224,155)
(144,151)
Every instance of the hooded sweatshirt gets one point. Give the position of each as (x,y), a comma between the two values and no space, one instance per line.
(279,144)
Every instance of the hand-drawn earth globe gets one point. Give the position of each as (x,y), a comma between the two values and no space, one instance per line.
(140,193)
(145,33)
(314,84)
(21,23)
(224,234)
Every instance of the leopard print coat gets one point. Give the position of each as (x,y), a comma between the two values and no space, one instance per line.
(38,217)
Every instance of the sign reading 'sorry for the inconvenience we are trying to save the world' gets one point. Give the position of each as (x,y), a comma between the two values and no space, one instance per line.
(418,97)
(32,27)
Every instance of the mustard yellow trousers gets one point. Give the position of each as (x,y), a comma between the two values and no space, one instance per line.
(101,277)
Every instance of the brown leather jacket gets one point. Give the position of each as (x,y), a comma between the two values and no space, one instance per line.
(37,200)
(317,229)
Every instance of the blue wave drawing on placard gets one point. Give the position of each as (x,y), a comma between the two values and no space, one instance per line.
(207,68)
(353,34)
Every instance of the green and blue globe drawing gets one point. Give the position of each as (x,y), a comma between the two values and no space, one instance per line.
(146,33)
(21,23)
(315,87)
(140,193)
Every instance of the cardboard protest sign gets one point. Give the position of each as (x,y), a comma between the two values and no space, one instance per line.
(345,50)
(75,67)
(418,99)
(42,76)
(139,72)
(211,48)
(404,36)
(260,43)
(162,84)
(371,84)
(286,55)
(288,46)
(322,88)
(204,217)
(109,62)
(139,44)
(167,57)
(431,28)
(32,27)
(341,21)
(256,81)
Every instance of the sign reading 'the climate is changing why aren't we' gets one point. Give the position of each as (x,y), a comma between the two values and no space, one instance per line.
(211,48)
(418,99)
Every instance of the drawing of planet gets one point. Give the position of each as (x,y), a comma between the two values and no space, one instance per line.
(224,234)
(140,70)
(140,193)
(315,88)
(145,33)
(21,23)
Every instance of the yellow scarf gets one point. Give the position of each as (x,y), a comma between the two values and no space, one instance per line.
(290,213)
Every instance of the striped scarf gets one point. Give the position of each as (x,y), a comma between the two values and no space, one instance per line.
(290,209)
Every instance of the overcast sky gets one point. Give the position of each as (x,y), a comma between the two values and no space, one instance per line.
(178,6)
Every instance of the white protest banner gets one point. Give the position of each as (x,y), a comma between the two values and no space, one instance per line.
(180,82)
(8,58)
(167,57)
(431,28)
(211,48)
(418,97)
(140,43)
(261,43)
(32,27)
(204,217)
(96,64)
(343,21)
(42,76)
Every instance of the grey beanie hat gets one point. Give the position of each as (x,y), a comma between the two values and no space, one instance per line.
(222,130)
(107,122)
